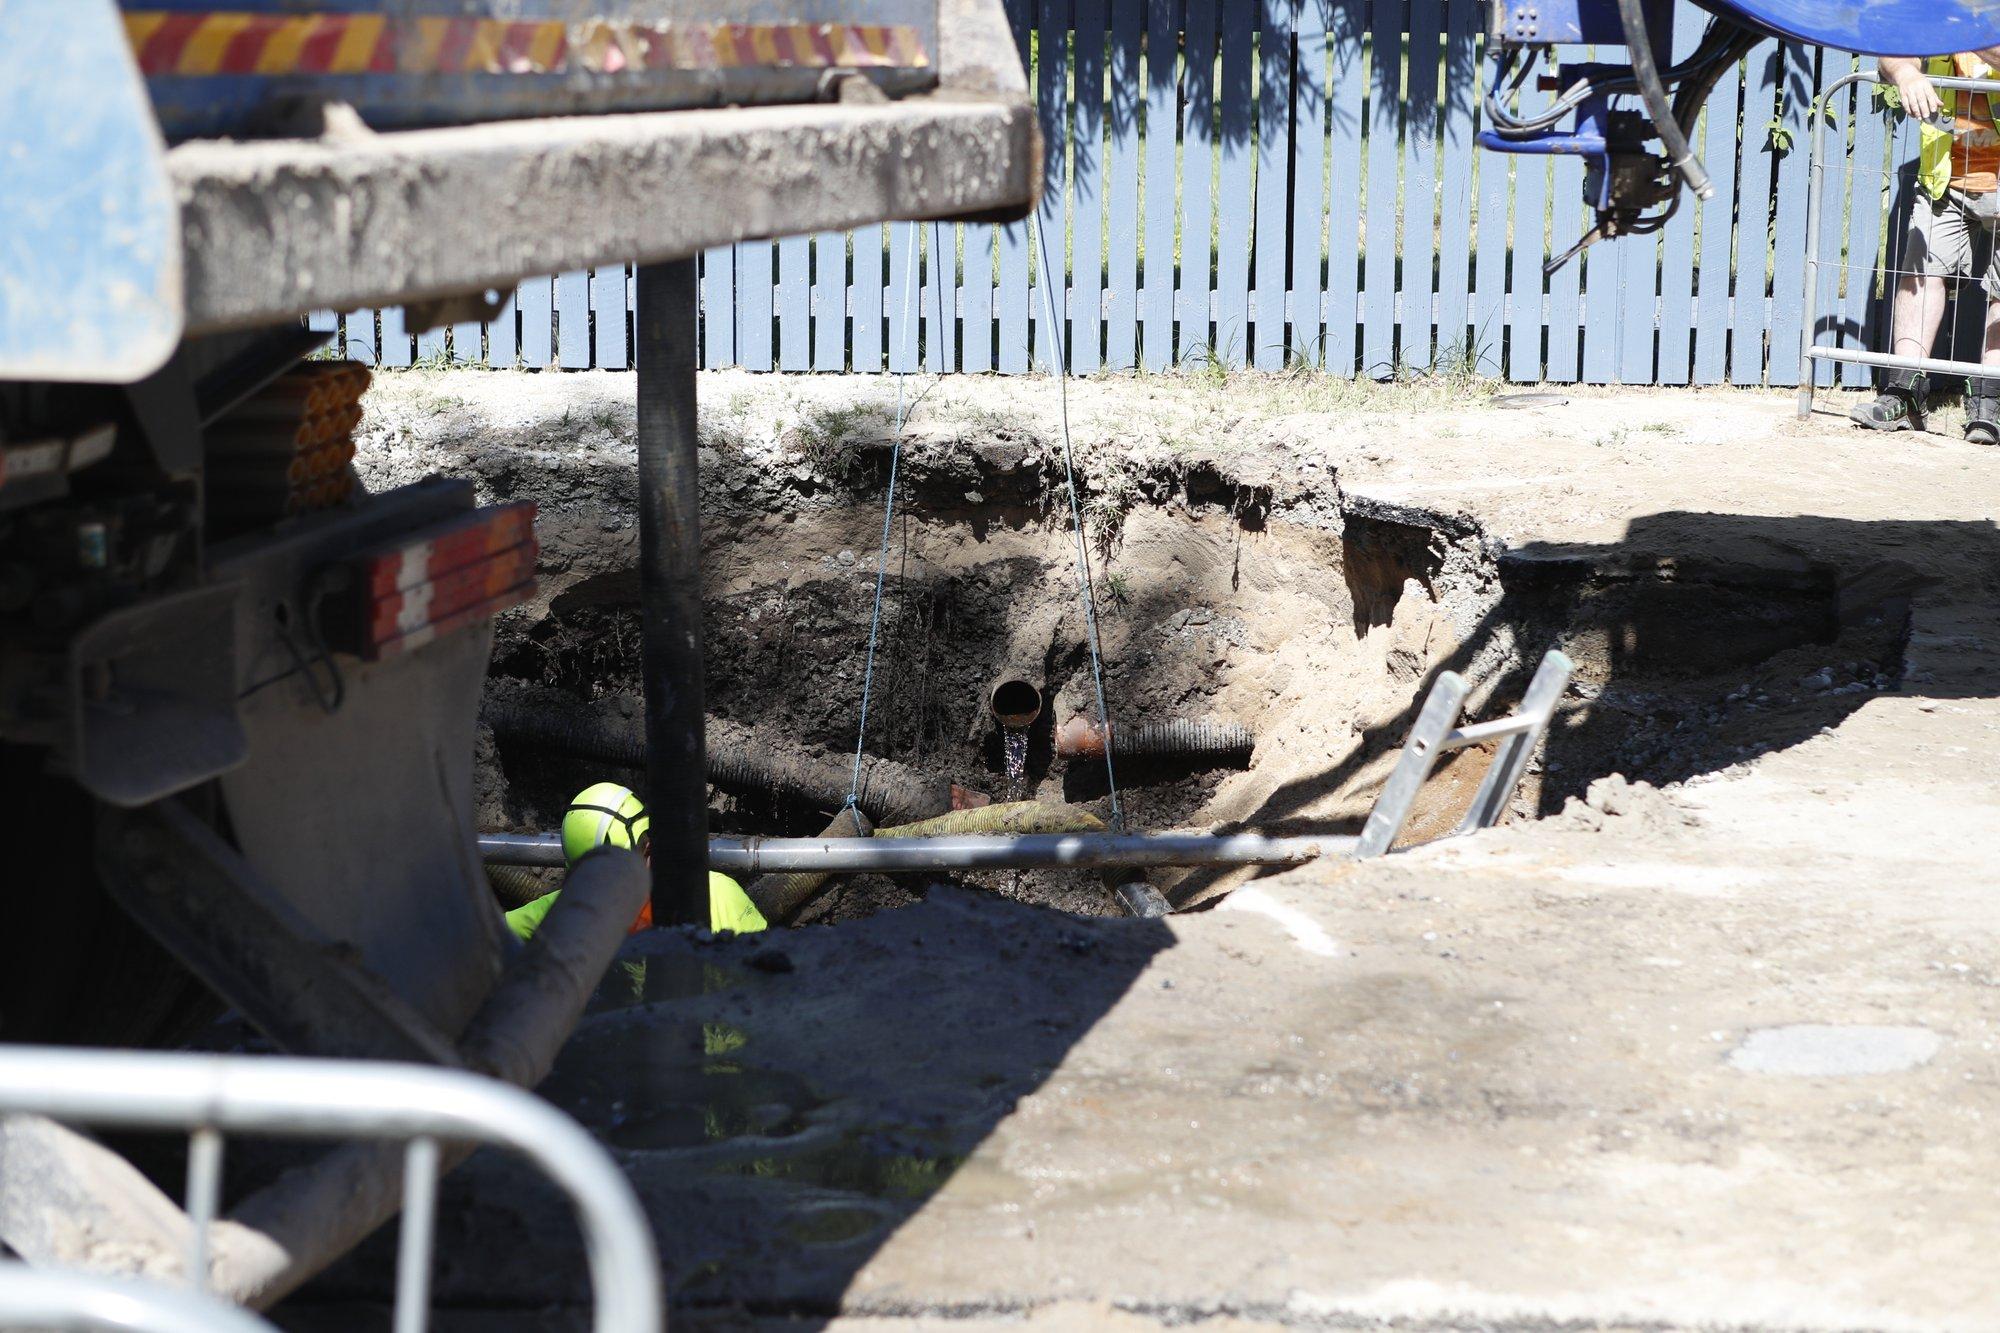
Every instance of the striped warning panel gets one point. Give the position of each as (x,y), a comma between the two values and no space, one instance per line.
(217,42)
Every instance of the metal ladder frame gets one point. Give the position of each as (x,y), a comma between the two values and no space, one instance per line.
(51,1299)
(1437,733)
(287,1097)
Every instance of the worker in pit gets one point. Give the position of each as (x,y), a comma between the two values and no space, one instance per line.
(608,815)
(1953,221)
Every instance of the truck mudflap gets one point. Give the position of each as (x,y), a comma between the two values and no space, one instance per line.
(364,638)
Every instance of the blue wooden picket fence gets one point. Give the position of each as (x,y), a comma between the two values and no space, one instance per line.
(1276,182)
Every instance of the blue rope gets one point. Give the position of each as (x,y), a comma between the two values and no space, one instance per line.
(1061,368)
(888,521)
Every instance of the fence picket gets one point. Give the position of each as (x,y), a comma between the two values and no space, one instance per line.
(1157,274)
(1269,345)
(1198,130)
(573,320)
(468,346)
(754,307)
(1788,249)
(1570,218)
(395,348)
(1385,104)
(829,301)
(358,336)
(1711,334)
(1454,232)
(1013,243)
(503,336)
(1677,245)
(1638,306)
(718,308)
(1600,277)
(1489,274)
(867,300)
(1753,207)
(1526,225)
(794,301)
(1232,200)
(431,345)
(1309,206)
(610,292)
(1050,261)
(976,299)
(1090,169)
(941,296)
(1420,173)
(1121,309)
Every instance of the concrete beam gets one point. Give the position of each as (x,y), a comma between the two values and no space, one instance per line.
(274,229)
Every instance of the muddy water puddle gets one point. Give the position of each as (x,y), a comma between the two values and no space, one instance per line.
(694,1092)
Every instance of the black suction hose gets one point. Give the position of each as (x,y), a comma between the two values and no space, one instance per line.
(1631,13)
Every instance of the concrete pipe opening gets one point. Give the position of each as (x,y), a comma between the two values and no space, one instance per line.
(1015,704)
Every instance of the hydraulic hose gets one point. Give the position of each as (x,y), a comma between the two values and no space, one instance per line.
(1639,46)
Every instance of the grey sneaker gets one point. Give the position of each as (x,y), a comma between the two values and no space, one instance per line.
(1896,407)
(1982,411)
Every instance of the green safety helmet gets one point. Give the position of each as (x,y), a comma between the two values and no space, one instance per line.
(603,815)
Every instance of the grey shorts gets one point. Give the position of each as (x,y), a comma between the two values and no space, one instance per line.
(1949,239)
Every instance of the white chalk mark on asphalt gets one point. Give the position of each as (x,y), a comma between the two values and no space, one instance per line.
(1307,933)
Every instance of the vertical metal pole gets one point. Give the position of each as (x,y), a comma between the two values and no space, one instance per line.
(413,1245)
(1815,187)
(204,1199)
(670,593)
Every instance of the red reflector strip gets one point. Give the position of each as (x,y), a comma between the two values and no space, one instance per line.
(447,546)
(401,612)
(438,628)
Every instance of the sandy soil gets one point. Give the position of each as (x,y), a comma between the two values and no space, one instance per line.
(1713,1051)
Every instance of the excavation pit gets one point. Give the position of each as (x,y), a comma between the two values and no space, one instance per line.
(1233,589)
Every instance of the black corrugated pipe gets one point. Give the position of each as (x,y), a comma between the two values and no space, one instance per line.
(890,793)
(670,591)
(1222,744)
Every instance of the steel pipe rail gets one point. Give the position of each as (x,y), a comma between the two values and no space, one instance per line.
(1022,851)
(299,1098)
(49,1299)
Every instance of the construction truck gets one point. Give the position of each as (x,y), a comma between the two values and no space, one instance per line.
(238,693)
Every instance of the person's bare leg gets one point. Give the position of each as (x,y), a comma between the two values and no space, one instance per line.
(1917,313)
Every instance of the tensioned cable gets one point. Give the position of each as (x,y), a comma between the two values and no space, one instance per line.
(1060,364)
(888,522)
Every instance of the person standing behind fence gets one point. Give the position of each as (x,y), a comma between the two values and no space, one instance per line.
(1952,225)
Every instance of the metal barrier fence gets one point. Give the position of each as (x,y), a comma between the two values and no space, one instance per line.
(1871,256)
(42,1299)
(210,1096)
(1263,183)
